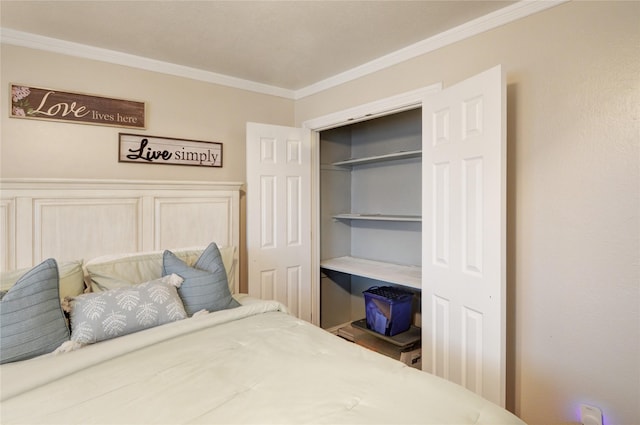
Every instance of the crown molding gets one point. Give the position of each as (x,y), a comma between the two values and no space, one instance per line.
(34,41)
(493,20)
(500,17)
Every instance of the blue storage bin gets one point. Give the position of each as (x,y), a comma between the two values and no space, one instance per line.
(388,309)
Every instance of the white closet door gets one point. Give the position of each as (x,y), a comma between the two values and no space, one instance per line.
(279,215)
(464,234)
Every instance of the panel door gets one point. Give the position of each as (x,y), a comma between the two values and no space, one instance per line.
(464,234)
(279,215)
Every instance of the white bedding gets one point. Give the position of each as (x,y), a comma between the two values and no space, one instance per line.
(253,364)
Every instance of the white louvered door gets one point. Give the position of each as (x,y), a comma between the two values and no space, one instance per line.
(279,215)
(464,234)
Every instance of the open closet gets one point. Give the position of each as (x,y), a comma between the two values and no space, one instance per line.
(408,191)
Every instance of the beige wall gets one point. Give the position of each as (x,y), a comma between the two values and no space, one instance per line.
(573,75)
(573,171)
(176,107)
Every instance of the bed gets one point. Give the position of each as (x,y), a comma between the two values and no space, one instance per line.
(244,360)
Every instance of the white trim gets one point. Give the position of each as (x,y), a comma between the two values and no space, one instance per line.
(401,102)
(493,20)
(112,184)
(378,108)
(33,41)
(477,26)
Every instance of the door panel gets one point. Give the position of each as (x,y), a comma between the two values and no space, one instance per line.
(463,264)
(279,215)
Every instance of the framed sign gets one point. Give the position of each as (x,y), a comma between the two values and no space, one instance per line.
(55,105)
(164,150)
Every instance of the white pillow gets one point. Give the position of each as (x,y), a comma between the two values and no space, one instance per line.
(120,270)
(71,278)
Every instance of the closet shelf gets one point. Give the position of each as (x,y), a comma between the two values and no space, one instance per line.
(378,217)
(380,158)
(410,276)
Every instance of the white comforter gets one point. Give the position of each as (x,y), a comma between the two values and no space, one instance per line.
(253,364)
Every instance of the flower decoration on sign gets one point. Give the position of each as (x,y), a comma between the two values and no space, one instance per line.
(20,104)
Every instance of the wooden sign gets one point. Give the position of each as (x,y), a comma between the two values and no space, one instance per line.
(164,150)
(47,104)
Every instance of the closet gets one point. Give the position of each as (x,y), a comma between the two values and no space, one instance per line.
(370,212)
(407,191)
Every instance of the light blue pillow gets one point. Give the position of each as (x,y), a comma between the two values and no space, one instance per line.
(205,285)
(31,319)
(99,316)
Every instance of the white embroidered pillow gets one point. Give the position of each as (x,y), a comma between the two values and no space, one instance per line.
(117,312)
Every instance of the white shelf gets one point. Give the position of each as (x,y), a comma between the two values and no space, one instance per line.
(380,158)
(410,276)
(378,217)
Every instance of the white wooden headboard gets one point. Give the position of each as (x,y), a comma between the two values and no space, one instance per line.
(84,219)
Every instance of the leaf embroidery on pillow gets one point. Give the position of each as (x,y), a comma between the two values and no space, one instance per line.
(159,293)
(114,324)
(128,300)
(83,333)
(147,314)
(94,308)
(175,311)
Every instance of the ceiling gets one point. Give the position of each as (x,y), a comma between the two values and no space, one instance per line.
(284,44)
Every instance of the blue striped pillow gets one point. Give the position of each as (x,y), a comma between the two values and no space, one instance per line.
(205,285)
(31,319)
